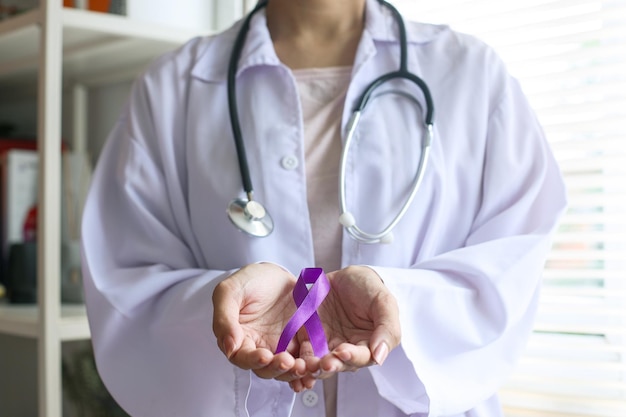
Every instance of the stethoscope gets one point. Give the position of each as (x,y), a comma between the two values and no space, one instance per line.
(252,218)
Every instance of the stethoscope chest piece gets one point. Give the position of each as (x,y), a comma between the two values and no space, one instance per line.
(250,217)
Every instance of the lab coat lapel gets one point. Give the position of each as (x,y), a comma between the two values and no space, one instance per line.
(380,38)
(212,65)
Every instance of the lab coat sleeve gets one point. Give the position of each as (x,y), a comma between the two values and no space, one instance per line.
(466,314)
(148,302)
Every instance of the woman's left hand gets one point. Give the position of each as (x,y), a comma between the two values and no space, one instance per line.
(361,320)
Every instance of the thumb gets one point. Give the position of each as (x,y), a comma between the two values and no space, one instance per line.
(226,326)
(387,333)
(381,344)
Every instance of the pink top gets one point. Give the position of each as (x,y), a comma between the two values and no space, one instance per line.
(322,95)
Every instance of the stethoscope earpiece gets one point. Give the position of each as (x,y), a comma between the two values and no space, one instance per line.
(347,219)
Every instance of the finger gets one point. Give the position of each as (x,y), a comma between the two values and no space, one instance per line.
(296,385)
(249,356)
(346,357)
(313,365)
(306,350)
(281,366)
(297,371)
(303,384)
(308,382)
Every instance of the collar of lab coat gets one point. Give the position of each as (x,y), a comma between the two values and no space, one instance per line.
(212,64)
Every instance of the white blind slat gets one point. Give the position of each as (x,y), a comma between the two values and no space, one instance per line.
(570,58)
(567,405)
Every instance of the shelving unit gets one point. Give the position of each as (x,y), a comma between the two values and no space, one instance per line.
(23,321)
(42,53)
(93,45)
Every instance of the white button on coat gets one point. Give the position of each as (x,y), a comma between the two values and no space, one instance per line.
(310,398)
(290,162)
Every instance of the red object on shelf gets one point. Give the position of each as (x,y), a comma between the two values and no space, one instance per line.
(30,225)
(12,143)
(99,5)
(9,143)
(93,5)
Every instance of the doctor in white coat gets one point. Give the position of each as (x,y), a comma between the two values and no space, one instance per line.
(185,309)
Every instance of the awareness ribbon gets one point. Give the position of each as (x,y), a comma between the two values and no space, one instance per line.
(308,300)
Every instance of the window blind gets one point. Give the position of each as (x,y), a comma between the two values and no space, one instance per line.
(570,57)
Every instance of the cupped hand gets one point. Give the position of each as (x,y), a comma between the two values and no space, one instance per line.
(251,308)
(361,320)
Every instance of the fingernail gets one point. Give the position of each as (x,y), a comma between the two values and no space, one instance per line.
(343,355)
(317,373)
(229,346)
(381,353)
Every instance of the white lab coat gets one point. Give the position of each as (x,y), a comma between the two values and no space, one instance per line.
(465,265)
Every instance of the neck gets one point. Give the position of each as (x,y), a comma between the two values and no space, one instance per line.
(309,33)
(316,18)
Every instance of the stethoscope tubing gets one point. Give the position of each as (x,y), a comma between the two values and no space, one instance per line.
(347,219)
(404,75)
(242,158)
(241,212)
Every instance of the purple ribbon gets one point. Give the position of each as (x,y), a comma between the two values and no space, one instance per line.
(308,301)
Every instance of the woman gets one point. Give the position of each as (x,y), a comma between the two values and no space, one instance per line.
(429,324)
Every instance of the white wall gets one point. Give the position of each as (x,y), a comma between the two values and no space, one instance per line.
(188,14)
(105,105)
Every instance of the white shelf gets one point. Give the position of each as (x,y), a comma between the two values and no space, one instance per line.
(23,320)
(19,321)
(95,44)
(96,48)
(43,52)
